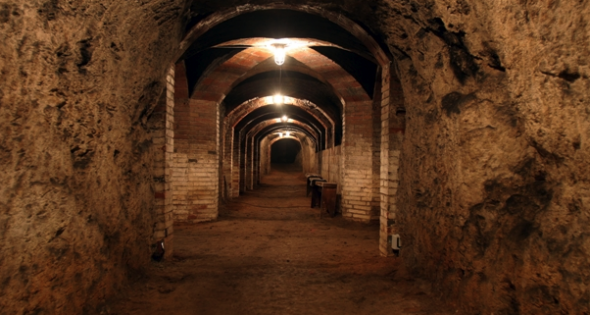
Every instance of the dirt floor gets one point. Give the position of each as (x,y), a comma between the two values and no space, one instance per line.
(269,253)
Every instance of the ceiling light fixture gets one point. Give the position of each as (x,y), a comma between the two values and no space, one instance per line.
(288,134)
(280,51)
(281,134)
(279,99)
(284,118)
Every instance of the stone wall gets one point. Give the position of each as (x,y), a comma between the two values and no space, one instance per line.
(493,198)
(494,189)
(79,83)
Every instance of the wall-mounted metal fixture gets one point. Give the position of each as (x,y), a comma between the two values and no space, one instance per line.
(396,244)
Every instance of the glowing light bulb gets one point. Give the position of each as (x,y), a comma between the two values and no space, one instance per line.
(288,134)
(281,134)
(279,100)
(284,119)
(280,53)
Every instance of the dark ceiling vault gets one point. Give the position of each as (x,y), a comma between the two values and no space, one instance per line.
(275,128)
(298,78)
(293,84)
(277,24)
(274,112)
(207,59)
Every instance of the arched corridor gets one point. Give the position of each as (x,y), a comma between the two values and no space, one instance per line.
(270,253)
(285,151)
(451,138)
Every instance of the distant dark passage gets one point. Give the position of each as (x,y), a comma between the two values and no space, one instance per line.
(285,151)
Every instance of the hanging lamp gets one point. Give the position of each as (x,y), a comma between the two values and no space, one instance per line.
(280,52)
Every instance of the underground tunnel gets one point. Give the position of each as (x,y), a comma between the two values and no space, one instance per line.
(286,151)
(453,133)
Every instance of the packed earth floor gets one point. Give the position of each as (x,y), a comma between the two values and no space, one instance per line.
(270,253)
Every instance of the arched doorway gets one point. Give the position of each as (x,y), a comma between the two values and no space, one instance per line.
(288,153)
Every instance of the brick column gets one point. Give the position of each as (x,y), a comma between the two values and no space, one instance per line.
(195,163)
(228,136)
(182,130)
(235,171)
(203,166)
(360,193)
(255,163)
(264,156)
(392,132)
(221,189)
(248,157)
(162,122)
(242,160)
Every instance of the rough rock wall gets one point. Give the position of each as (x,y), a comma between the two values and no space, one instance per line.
(494,182)
(494,192)
(78,80)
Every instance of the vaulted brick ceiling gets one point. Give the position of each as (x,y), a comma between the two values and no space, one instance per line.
(276,24)
(273,112)
(231,63)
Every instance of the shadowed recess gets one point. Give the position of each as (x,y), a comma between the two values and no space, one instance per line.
(275,112)
(285,151)
(198,65)
(292,84)
(276,24)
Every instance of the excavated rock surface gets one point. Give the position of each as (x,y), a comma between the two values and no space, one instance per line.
(493,203)
(494,180)
(78,80)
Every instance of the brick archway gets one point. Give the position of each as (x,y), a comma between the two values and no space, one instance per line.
(264,144)
(347,24)
(250,164)
(360,114)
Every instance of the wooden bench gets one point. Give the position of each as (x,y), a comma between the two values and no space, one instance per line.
(324,196)
(310,178)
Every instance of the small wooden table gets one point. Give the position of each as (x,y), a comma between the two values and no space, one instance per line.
(310,179)
(325,197)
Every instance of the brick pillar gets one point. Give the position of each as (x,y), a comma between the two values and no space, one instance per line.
(360,192)
(221,155)
(264,156)
(196,156)
(392,133)
(249,156)
(203,158)
(256,163)
(182,130)
(235,172)
(228,136)
(162,122)
(242,159)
